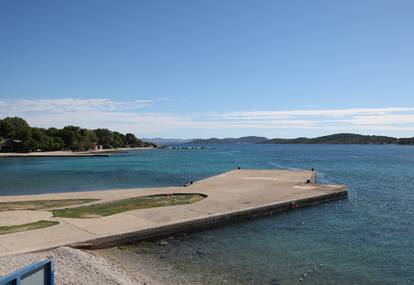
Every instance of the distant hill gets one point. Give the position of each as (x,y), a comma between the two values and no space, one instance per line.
(406,141)
(343,138)
(241,140)
(163,141)
(338,139)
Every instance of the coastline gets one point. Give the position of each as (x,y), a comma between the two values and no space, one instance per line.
(74,266)
(164,227)
(104,152)
(150,259)
(229,198)
(131,261)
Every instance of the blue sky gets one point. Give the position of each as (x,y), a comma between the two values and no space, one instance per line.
(210,68)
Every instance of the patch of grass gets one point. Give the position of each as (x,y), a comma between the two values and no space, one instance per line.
(42,204)
(119,206)
(26,227)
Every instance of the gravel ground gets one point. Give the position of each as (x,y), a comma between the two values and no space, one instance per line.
(73,266)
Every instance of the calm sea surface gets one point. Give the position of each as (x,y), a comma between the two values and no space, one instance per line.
(366,239)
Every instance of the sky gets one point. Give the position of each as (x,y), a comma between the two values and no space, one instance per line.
(216,68)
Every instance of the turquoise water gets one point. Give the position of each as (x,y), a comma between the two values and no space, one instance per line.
(366,239)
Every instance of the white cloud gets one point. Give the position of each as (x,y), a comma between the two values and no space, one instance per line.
(131,117)
(323,112)
(71,105)
(388,119)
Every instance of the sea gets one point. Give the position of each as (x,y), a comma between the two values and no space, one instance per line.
(367,238)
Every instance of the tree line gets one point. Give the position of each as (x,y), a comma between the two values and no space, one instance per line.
(69,138)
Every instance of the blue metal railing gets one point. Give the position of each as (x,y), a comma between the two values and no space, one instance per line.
(39,273)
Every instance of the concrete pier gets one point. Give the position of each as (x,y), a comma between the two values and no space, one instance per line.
(233,195)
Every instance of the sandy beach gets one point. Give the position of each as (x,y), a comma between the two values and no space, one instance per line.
(103,152)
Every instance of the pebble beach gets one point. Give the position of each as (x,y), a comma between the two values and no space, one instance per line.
(74,266)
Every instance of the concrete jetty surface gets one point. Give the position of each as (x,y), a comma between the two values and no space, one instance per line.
(233,195)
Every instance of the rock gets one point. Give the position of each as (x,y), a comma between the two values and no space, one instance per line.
(274,282)
(142,251)
(199,253)
(163,243)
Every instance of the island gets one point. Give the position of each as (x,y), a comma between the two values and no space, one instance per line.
(342,138)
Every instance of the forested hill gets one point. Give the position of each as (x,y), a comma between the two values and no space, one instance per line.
(345,138)
(69,138)
(338,139)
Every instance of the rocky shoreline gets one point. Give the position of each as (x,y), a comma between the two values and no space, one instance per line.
(74,266)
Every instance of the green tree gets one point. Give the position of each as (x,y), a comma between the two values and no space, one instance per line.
(119,140)
(131,139)
(14,128)
(70,137)
(105,137)
(87,138)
